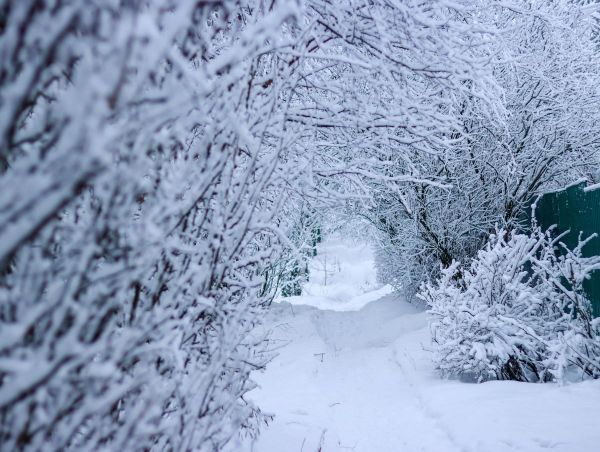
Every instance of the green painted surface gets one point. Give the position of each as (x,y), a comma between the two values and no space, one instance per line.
(577,211)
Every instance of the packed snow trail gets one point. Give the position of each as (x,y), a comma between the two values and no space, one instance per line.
(352,374)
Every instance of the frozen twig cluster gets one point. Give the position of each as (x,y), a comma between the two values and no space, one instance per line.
(133,206)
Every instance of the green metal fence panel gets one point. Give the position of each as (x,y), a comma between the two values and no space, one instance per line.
(575,209)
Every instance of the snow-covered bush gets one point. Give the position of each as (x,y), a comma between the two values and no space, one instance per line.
(135,202)
(517,312)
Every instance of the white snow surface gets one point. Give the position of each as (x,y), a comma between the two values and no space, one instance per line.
(352,374)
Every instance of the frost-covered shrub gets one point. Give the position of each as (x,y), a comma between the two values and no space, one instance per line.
(518,312)
(135,205)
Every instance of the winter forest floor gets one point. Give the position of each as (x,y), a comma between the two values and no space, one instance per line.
(352,374)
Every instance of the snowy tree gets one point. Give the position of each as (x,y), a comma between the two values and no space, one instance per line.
(543,136)
(379,84)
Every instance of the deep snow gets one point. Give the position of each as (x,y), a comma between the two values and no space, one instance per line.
(353,374)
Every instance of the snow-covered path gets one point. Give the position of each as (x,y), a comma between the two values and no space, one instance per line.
(352,375)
